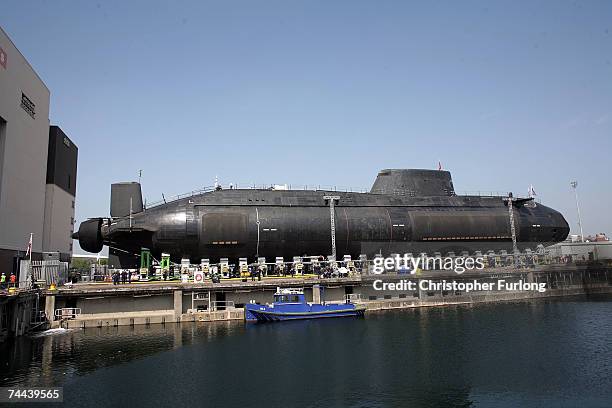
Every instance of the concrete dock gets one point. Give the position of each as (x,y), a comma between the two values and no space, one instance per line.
(101,305)
(18,313)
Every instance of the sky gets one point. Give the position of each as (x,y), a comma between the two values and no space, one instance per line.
(504,94)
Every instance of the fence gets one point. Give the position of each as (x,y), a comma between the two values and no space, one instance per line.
(44,272)
(98,273)
(67,313)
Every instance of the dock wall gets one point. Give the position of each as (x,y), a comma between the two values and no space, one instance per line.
(16,313)
(164,303)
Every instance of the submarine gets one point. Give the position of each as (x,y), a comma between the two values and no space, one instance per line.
(405,210)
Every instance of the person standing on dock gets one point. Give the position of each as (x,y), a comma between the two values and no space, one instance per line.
(13,279)
(124,276)
(2,281)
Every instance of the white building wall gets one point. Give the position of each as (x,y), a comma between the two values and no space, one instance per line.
(23,172)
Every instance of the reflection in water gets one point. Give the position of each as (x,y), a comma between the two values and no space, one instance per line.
(530,353)
(50,359)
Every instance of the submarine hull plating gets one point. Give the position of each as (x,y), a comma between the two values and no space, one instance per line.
(397,217)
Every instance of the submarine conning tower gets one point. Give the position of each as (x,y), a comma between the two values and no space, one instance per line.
(413,183)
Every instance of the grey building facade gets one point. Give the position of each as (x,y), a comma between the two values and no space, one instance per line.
(60,193)
(36,195)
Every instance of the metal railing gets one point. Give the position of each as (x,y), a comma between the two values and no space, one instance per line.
(221,305)
(45,272)
(67,313)
(38,317)
(491,193)
(252,186)
(179,196)
(298,187)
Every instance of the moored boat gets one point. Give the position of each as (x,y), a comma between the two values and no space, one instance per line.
(290,304)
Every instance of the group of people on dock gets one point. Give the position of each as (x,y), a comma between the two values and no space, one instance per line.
(12,280)
(122,276)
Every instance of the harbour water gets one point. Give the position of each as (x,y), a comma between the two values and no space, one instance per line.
(531,353)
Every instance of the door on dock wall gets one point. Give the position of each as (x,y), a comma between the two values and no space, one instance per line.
(220,299)
(71,302)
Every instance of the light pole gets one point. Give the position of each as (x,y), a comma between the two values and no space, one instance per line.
(574,184)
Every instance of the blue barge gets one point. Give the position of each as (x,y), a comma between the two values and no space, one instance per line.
(290,304)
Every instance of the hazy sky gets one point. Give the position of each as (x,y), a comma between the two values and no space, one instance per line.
(504,94)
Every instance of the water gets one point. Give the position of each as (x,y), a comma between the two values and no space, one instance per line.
(538,353)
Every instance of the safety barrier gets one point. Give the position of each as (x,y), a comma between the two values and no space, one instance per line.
(221,305)
(67,313)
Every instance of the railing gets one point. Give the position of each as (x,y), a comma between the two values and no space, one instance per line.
(38,317)
(297,187)
(352,297)
(253,186)
(67,313)
(201,296)
(482,193)
(179,196)
(221,305)
(45,272)
(491,193)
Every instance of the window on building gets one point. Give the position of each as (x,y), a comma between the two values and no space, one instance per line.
(71,220)
(69,182)
(73,204)
(28,105)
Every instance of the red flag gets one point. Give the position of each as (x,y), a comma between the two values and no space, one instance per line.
(2,58)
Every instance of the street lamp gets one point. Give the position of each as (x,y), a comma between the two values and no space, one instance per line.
(574,184)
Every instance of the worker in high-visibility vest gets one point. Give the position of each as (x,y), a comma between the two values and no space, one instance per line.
(2,281)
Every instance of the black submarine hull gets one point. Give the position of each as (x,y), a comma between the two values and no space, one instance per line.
(410,211)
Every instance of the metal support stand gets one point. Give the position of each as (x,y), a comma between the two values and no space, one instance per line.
(164,265)
(258,224)
(145,262)
(515,250)
(332,201)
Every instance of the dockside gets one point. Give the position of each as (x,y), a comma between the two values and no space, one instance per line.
(102,305)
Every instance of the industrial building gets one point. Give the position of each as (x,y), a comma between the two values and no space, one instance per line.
(38,166)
